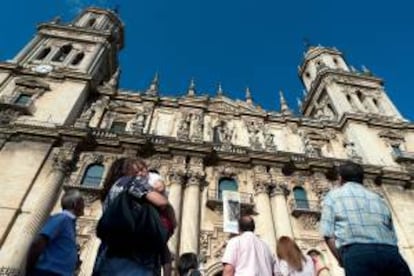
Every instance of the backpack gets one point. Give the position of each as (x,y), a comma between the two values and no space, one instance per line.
(131,226)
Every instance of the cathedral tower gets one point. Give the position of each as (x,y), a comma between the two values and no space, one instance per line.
(335,88)
(50,79)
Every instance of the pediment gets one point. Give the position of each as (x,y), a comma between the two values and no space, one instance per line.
(194,101)
(390,135)
(226,105)
(32,83)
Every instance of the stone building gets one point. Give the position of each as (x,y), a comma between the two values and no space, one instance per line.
(64,120)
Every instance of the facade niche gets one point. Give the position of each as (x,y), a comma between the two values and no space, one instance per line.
(226,184)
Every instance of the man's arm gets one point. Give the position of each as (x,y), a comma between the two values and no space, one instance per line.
(330,241)
(36,249)
(228,270)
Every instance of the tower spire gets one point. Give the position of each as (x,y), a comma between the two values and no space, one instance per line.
(154,86)
(284,108)
(191,88)
(220,90)
(249,99)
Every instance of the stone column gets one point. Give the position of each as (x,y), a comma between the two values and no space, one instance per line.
(175,198)
(190,222)
(264,220)
(281,217)
(17,249)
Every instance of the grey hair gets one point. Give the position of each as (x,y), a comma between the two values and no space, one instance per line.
(70,199)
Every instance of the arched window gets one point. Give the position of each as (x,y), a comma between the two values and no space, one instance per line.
(62,53)
(93,175)
(43,53)
(227,184)
(78,58)
(360,96)
(301,199)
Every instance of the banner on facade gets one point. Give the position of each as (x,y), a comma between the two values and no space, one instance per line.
(231,211)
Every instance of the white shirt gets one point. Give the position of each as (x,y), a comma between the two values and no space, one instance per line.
(249,255)
(308,269)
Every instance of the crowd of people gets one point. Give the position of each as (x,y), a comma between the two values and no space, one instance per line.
(138,221)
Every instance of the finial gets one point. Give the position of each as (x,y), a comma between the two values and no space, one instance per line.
(249,98)
(299,102)
(306,43)
(365,70)
(153,89)
(56,20)
(191,88)
(284,108)
(304,92)
(219,90)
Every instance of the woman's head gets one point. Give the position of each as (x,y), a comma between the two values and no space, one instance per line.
(289,251)
(187,262)
(124,166)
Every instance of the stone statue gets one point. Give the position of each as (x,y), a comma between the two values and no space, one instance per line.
(197,134)
(184,127)
(138,123)
(270,141)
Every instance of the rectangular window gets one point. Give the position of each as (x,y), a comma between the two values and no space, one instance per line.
(23,99)
(118,127)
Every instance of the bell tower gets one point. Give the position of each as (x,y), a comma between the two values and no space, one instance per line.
(333,88)
(50,79)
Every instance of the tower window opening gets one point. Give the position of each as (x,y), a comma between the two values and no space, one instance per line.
(23,99)
(335,61)
(63,53)
(43,53)
(91,22)
(78,58)
(360,96)
(307,75)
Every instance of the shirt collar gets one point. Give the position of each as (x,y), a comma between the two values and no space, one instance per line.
(69,214)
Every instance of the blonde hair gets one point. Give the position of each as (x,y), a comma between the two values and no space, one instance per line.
(289,251)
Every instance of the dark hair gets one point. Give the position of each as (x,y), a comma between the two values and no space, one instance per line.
(120,167)
(187,262)
(246,223)
(351,171)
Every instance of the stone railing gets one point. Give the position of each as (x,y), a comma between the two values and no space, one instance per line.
(299,207)
(215,200)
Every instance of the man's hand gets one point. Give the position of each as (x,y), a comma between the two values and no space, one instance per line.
(330,241)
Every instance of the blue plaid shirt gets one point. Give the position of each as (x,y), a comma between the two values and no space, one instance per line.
(353,214)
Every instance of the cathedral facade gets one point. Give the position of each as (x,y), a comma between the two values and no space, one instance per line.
(64,121)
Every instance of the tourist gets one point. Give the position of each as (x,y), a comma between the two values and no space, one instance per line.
(358,228)
(246,254)
(54,250)
(188,265)
(291,260)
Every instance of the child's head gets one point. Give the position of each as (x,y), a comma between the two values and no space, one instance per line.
(159,187)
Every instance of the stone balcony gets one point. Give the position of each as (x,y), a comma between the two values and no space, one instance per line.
(305,207)
(215,201)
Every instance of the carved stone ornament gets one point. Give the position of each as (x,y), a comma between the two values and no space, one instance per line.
(197,129)
(212,244)
(8,116)
(183,131)
(351,152)
(138,123)
(270,141)
(227,171)
(63,159)
(261,186)
(320,186)
(309,221)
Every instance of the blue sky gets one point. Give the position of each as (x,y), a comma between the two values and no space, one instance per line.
(239,43)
